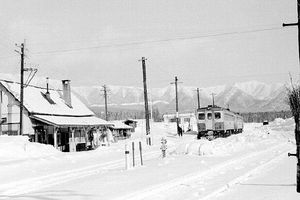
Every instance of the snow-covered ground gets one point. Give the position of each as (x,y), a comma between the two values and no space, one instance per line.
(250,165)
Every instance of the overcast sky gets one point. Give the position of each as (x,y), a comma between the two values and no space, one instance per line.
(203,42)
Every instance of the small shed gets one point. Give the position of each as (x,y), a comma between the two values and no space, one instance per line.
(132,123)
(121,130)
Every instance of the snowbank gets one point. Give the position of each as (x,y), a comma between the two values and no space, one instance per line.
(253,134)
(19,147)
(283,124)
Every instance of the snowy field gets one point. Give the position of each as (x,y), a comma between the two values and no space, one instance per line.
(250,165)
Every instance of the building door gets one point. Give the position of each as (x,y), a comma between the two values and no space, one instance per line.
(64,139)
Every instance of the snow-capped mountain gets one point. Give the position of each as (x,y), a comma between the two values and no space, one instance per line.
(250,96)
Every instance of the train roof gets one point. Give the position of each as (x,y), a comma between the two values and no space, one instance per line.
(214,108)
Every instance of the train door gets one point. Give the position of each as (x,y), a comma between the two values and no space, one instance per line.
(209,121)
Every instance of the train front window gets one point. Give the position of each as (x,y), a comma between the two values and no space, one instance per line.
(209,115)
(201,116)
(217,115)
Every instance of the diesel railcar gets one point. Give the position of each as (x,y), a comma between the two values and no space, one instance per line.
(215,121)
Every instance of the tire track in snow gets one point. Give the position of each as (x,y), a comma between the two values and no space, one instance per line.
(154,191)
(241,178)
(41,182)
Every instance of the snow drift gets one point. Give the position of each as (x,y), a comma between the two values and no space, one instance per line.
(257,133)
(19,147)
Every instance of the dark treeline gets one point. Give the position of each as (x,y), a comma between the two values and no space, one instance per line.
(130,114)
(157,116)
(262,116)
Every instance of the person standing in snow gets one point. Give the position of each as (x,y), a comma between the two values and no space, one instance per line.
(103,137)
(109,136)
(91,138)
(179,131)
(96,137)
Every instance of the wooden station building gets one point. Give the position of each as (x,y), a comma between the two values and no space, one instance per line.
(55,117)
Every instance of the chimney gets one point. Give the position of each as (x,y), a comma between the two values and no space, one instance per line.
(67,92)
(47,84)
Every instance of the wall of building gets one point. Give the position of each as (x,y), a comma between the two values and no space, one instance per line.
(10,110)
(186,120)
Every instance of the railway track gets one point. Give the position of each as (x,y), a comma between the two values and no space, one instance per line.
(202,185)
(191,186)
(41,182)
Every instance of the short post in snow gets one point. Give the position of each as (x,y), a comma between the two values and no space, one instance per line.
(126,157)
(163,147)
(141,154)
(133,161)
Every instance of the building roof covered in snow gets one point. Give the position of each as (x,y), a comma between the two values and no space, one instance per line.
(120,125)
(130,121)
(71,121)
(35,101)
(54,107)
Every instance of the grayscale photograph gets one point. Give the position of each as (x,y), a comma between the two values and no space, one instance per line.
(149,99)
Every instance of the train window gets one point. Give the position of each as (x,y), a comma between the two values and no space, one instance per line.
(201,116)
(209,115)
(217,115)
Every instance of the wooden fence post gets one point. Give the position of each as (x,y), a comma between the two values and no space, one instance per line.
(141,154)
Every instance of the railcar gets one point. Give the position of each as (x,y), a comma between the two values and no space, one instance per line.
(215,121)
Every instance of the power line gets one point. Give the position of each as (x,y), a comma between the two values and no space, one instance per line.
(154,41)
(34,86)
(184,31)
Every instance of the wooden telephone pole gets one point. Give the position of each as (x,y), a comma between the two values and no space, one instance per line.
(297,136)
(176,99)
(105,100)
(148,138)
(198,98)
(22,85)
(176,96)
(22,54)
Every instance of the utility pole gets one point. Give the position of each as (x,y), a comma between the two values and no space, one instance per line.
(22,54)
(151,108)
(213,99)
(297,136)
(296,24)
(148,138)
(176,99)
(105,100)
(198,97)
(22,85)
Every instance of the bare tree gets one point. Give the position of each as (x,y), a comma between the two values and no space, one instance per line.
(294,102)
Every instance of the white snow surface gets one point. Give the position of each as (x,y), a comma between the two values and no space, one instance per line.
(14,148)
(250,165)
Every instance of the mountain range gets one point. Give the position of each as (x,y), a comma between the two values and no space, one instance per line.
(251,96)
